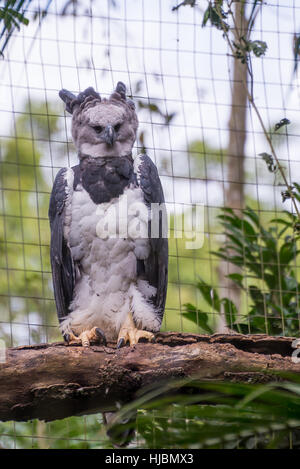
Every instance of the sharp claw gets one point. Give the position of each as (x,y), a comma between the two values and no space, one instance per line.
(121,342)
(66,338)
(101,336)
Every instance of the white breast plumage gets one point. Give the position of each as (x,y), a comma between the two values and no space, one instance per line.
(108,262)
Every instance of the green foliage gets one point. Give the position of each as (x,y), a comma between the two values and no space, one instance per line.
(202,154)
(183,264)
(10,14)
(202,318)
(282,123)
(217,304)
(292,191)
(267,257)
(86,432)
(245,46)
(272,167)
(191,3)
(277,135)
(218,11)
(217,415)
(216,15)
(257,47)
(25,281)
(205,160)
(155,109)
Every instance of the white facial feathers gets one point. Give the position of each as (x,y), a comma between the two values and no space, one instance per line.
(104,127)
(110,114)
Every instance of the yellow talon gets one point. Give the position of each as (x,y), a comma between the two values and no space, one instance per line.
(86,337)
(129,333)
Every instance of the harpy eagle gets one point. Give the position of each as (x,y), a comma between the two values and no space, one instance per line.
(109,284)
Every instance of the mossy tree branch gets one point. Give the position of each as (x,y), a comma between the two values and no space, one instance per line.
(54,381)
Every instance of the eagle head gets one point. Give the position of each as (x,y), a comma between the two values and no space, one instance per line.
(102,127)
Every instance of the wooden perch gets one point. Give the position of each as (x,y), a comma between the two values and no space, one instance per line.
(54,381)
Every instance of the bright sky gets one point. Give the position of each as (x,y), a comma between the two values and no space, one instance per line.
(183,66)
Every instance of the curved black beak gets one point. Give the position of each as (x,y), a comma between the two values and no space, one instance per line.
(109,135)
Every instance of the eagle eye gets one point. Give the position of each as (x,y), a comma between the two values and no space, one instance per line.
(117,127)
(98,129)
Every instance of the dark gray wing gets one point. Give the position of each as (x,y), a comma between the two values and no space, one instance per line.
(63,272)
(156,266)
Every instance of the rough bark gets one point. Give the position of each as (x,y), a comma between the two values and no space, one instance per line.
(54,381)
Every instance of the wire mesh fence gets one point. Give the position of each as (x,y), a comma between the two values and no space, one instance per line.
(198,126)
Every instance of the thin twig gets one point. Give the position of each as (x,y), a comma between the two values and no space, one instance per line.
(252,102)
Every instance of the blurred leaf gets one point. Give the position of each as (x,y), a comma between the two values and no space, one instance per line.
(216,15)
(237,278)
(245,46)
(287,194)
(153,107)
(282,123)
(296,51)
(193,414)
(287,253)
(258,47)
(269,161)
(191,3)
(198,317)
(269,261)
(210,295)
(12,17)
(230,311)
(297,192)
(241,328)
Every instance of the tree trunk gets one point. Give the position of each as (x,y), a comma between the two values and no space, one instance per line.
(234,194)
(235,158)
(54,381)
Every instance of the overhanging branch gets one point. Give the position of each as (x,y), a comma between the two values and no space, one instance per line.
(54,381)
